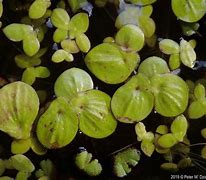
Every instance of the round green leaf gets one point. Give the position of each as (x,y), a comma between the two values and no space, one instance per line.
(37,9)
(21,163)
(70,46)
(199,91)
(153,65)
(31,44)
(167,140)
(171,94)
(142,2)
(162,129)
(130,37)
(131,15)
(36,146)
(58,125)
(131,103)
(16,32)
(174,61)
(203,133)
(168,46)
(77,4)
(22,175)
(1,7)
(42,72)
(203,152)
(169,167)
(197,109)
(140,131)
(19,106)
(109,39)
(147,147)
(187,54)
(20,146)
(61,55)
(71,82)
(93,110)
(83,43)
(109,64)
(60,18)
(59,35)
(24,61)
(149,136)
(179,127)
(147,25)
(189,10)
(29,75)
(79,23)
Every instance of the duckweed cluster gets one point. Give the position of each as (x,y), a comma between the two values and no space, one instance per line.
(81,71)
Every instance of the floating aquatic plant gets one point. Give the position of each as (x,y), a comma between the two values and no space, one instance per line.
(142,76)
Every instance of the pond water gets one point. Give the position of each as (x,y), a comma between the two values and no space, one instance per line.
(102,25)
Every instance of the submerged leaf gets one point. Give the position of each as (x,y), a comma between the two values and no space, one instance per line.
(83,161)
(203,133)
(123,160)
(47,169)
(169,167)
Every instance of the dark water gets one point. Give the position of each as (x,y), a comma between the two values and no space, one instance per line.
(101,26)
